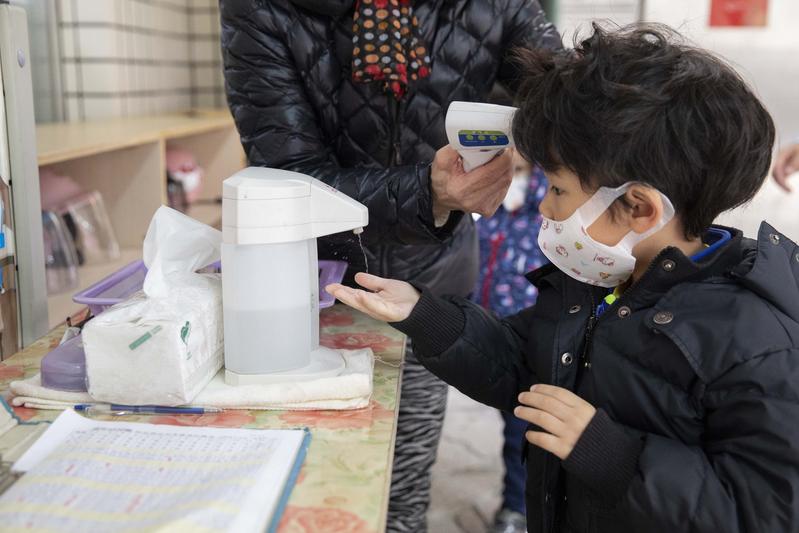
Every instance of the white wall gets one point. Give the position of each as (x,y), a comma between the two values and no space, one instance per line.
(576,15)
(769,59)
(111,58)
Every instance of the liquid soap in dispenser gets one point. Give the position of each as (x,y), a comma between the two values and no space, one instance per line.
(270,273)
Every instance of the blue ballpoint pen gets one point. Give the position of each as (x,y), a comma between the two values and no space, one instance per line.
(90,409)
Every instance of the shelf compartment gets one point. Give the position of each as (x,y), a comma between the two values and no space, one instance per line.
(61,306)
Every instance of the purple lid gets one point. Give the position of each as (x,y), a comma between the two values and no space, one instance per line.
(64,368)
(114,288)
(329,272)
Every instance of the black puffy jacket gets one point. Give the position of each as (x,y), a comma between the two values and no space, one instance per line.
(289,87)
(694,372)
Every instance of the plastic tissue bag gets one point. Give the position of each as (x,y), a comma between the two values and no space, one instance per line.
(164,344)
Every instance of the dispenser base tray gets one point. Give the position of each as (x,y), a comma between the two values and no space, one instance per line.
(325,363)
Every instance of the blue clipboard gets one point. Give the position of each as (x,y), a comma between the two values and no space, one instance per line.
(290,482)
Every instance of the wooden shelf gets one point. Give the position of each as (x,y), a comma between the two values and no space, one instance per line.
(63,141)
(60,306)
(124,159)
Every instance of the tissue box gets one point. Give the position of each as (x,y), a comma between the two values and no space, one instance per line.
(157,351)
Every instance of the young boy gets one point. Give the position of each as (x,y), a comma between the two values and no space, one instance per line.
(659,368)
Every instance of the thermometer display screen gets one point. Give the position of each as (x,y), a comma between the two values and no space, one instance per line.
(482,138)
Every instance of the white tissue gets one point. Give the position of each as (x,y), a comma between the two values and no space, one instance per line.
(175,247)
(164,345)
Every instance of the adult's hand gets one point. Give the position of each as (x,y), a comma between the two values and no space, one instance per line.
(479,191)
(786,164)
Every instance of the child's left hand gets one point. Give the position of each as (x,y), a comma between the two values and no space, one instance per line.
(560,413)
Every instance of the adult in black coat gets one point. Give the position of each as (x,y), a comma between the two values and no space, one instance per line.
(289,80)
(290,89)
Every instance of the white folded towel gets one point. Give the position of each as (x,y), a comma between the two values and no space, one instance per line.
(352,389)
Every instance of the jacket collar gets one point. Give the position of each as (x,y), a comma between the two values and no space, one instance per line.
(672,267)
(771,270)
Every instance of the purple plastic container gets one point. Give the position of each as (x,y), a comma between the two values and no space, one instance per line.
(115,288)
(64,368)
(128,280)
(329,272)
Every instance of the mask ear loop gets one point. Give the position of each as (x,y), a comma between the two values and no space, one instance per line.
(602,199)
(591,210)
(631,239)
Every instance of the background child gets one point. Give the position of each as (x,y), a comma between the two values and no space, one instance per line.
(508,250)
(663,352)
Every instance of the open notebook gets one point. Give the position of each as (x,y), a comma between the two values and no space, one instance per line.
(86,475)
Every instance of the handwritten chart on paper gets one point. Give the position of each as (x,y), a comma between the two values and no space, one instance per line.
(108,476)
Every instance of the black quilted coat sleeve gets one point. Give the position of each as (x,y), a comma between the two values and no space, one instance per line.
(528,27)
(280,129)
(471,349)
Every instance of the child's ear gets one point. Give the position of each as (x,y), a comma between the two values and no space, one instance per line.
(646,208)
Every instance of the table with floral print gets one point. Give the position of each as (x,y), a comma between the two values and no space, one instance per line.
(343,486)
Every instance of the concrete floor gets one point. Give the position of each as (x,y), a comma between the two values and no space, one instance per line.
(467,476)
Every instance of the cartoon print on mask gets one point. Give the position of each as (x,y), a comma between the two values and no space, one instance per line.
(576,272)
(558,228)
(578,245)
(545,224)
(607,261)
(604,275)
(562,250)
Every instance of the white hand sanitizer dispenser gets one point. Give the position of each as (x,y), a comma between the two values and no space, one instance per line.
(479,131)
(270,273)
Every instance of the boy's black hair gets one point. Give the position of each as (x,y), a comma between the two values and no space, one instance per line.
(638,104)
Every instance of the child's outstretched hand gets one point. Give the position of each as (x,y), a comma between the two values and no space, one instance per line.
(560,413)
(390,300)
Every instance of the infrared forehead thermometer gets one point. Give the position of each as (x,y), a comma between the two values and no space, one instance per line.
(479,131)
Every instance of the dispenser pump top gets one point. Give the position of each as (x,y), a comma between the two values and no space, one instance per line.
(255,183)
(265,205)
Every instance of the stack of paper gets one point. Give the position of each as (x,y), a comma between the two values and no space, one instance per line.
(84,475)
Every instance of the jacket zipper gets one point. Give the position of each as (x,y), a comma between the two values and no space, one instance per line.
(594,319)
(394,159)
(395,153)
(589,333)
(586,352)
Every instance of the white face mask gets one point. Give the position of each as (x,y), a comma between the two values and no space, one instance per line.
(517,192)
(570,248)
